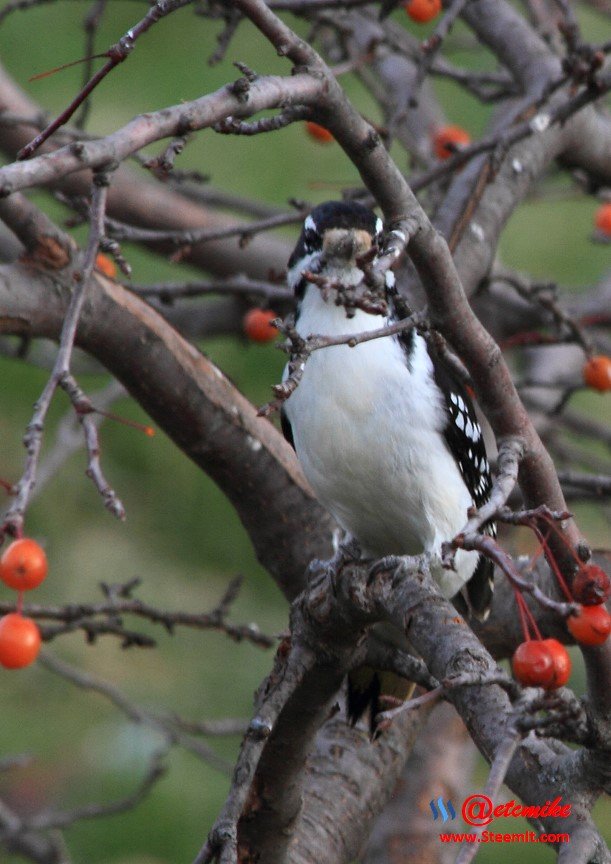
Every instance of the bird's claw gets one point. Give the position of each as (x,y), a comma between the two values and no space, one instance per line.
(384,565)
(390,563)
(346,552)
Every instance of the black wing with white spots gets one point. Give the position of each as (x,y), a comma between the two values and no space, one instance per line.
(463,435)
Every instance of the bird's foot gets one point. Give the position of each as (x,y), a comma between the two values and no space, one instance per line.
(389,563)
(346,552)
(383,565)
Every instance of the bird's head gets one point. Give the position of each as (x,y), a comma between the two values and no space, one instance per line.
(333,236)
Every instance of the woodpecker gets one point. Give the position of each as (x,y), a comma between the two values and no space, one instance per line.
(385,432)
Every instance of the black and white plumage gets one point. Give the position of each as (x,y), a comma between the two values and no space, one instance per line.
(386,435)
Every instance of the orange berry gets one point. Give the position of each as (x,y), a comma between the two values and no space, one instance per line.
(591,625)
(23,565)
(319,133)
(597,373)
(19,641)
(422,10)
(105,265)
(602,219)
(448,139)
(257,325)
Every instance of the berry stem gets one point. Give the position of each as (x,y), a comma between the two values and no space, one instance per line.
(523,619)
(552,562)
(526,617)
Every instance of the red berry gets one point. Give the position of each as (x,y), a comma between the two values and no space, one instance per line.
(19,641)
(257,325)
(422,10)
(602,219)
(561,661)
(532,664)
(591,585)
(23,565)
(448,139)
(591,625)
(597,373)
(319,133)
(541,663)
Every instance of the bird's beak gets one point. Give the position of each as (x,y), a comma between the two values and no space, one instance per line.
(343,245)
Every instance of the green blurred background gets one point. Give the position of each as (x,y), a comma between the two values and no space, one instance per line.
(181,537)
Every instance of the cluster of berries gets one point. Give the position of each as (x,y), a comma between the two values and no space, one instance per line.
(23,566)
(545,662)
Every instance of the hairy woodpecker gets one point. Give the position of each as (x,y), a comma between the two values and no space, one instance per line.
(386,434)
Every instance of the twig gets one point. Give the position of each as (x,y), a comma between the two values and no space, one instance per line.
(491,549)
(200,235)
(431,46)
(85,413)
(84,616)
(69,438)
(13,521)
(232,21)
(385,717)
(90,25)
(545,296)
(116,54)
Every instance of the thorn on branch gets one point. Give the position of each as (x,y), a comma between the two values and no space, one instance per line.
(164,164)
(240,89)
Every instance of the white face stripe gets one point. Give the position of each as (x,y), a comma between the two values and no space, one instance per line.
(379,225)
(309,224)
(293,276)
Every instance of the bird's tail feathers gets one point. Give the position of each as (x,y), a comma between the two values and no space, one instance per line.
(365,687)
